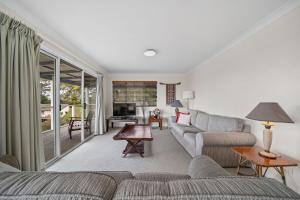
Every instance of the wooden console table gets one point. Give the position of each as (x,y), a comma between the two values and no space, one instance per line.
(251,154)
(154,119)
(112,120)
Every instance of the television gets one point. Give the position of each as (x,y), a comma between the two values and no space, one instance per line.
(124,109)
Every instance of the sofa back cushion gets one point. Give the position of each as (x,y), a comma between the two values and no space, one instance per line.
(207,188)
(193,114)
(217,123)
(59,186)
(155,176)
(201,121)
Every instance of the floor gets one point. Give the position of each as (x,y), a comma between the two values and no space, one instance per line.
(103,153)
(65,142)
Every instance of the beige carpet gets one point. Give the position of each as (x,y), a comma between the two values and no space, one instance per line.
(103,153)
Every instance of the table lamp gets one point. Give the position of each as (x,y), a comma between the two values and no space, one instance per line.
(177,104)
(188,95)
(268,112)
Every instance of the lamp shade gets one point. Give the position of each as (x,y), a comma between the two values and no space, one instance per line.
(188,94)
(176,104)
(270,112)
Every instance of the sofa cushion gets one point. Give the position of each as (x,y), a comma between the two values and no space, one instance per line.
(244,188)
(193,116)
(202,120)
(181,129)
(219,123)
(119,176)
(58,186)
(203,166)
(160,176)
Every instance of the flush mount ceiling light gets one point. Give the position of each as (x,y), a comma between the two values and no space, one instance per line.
(150,52)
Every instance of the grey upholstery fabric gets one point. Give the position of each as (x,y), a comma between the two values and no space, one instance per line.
(203,166)
(7,168)
(57,186)
(191,129)
(193,114)
(215,137)
(10,160)
(160,176)
(181,129)
(178,129)
(190,139)
(217,123)
(119,176)
(226,139)
(202,121)
(224,156)
(223,188)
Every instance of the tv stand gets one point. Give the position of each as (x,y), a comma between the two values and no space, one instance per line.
(114,119)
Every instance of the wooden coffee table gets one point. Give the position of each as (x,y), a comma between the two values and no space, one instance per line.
(135,135)
(252,154)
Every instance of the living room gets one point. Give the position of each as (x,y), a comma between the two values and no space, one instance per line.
(140,96)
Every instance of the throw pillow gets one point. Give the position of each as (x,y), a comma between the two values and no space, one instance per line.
(184,119)
(178,113)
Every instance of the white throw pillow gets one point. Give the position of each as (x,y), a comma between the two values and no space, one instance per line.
(184,119)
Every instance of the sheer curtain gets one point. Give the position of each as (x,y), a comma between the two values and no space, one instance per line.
(20,93)
(99,106)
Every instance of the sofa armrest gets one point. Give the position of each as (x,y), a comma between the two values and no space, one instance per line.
(10,160)
(199,143)
(171,120)
(228,139)
(203,167)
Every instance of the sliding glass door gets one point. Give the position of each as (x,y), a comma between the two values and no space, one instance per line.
(70,106)
(47,83)
(68,103)
(90,92)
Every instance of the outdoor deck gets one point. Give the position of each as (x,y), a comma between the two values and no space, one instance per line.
(65,142)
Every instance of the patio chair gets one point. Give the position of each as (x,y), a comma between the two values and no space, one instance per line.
(75,124)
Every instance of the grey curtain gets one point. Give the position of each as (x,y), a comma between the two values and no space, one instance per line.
(20,93)
(100,125)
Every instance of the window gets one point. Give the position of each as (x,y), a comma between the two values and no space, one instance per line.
(139,92)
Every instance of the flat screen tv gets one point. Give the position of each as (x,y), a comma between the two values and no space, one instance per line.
(124,109)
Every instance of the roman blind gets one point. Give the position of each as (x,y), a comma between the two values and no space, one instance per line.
(139,92)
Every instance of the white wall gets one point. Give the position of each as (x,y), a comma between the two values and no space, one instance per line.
(264,67)
(161,89)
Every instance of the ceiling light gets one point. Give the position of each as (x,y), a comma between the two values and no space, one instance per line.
(150,52)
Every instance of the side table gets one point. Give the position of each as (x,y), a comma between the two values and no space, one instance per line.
(251,154)
(154,119)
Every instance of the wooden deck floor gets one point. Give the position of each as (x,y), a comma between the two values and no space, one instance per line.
(65,142)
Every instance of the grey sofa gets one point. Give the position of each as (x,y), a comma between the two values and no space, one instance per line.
(206,180)
(213,135)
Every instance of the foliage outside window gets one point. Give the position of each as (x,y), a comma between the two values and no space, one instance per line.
(143,93)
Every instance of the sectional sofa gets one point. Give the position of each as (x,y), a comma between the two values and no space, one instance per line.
(206,180)
(213,135)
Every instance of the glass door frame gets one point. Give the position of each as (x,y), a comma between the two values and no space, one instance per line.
(83,100)
(55,114)
(56,105)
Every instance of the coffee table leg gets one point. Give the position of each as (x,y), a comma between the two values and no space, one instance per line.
(133,146)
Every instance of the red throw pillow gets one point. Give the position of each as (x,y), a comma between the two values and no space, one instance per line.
(179,113)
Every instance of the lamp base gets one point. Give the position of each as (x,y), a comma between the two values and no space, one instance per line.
(268,155)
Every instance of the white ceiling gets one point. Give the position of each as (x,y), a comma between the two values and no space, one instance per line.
(115,33)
